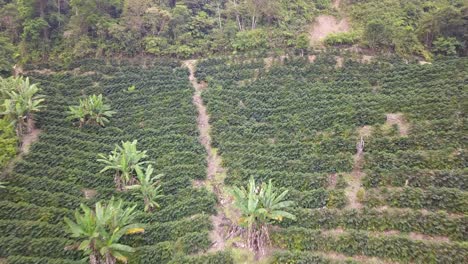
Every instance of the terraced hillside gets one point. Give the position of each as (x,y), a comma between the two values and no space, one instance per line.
(61,171)
(374,155)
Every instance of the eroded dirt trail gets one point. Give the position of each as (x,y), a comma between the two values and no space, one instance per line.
(215,172)
(28,139)
(355,178)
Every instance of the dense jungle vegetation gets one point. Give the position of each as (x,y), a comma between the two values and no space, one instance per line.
(60,31)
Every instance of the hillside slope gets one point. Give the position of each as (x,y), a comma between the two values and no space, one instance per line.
(374,155)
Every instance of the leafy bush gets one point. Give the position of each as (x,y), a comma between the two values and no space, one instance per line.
(8,142)
(250,40)
(394,247)
(342,38)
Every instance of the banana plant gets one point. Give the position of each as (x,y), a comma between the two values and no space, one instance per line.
(91,110)
(148,187)
(20,102)
(260,206)
(123,160)
(98,231)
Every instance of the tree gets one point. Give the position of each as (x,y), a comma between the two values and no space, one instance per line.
(92,110)
(21,101)
(260,207)
(148,187)
(8,142)
(302,43)
(446,46)
(2,185)
(124,160)
(100,230)
(7,54)
(377,34)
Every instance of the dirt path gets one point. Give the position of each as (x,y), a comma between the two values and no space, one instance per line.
(28,139)
(355,178)
(215,172)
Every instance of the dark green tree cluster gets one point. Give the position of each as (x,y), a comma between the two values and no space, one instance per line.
(63,30)
(413,27)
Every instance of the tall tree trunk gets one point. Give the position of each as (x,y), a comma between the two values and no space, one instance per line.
(110,259)
(94,257)
(219,15)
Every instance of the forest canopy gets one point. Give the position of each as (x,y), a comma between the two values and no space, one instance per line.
(64,30)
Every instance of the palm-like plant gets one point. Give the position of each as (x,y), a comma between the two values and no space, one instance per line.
(124,160)
(148,187)
(21,101)
(100,230)
(260,206)
(91,110)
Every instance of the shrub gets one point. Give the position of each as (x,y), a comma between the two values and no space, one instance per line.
(342,38)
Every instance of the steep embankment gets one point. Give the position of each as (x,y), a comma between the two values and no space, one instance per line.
(327,24)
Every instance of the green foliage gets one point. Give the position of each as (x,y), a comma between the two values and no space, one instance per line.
(41,247)
(124,160)
(99,231)
(7,55)
(39,260)
(322,4)
(298,123)
(260,206)
(148,187)
(342,38)
(446,46)
(397,247)
(452,200)
(92,110)
(302,42)
(60,171)
(211,258)
(294,257)
(20,102)
(412,177)
(361,194)
(8,142)
(250,40)
(410,27)
(404,220)
(377,34)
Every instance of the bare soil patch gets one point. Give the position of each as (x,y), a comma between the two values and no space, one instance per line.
(311,58)
(89,193)
(399,120)
(339,62)
(29,139)
(325,25)
(332,180)
(365,131)
(333,232)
